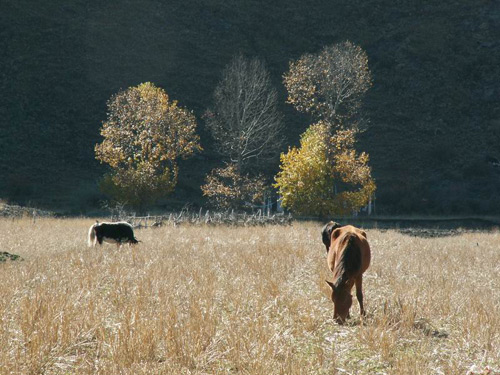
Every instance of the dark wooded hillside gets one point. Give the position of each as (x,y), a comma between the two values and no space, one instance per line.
(434,106)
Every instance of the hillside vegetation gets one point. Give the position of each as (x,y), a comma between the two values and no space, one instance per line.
(434,105)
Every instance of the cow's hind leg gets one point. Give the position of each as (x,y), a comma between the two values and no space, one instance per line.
(359,293)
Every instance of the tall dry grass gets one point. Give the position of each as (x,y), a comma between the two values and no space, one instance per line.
(219,300)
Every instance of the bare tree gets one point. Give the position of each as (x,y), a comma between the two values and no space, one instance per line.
(245,121)
(331,84)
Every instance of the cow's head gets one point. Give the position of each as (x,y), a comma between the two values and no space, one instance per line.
(327,233)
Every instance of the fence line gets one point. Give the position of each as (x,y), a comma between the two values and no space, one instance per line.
(206,218)
(16,212)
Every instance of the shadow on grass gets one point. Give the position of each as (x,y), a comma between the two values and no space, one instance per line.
(431,232)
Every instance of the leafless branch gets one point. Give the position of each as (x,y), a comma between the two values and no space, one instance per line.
(245,121)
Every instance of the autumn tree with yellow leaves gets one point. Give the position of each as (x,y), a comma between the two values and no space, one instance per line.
(326,175)
(145,135)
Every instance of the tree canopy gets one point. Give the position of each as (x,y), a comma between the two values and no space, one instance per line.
(329,85)
(144,136)
(227,188)
(325,175)
(244,120)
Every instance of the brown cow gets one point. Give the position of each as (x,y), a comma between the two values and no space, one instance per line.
(348,258)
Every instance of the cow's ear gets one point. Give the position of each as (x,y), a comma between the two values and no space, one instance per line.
(327,233)
(336,233)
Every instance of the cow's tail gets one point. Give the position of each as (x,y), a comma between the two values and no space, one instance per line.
(91,239)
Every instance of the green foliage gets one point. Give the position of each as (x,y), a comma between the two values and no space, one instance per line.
(144,136)
(325,176)
(5,256)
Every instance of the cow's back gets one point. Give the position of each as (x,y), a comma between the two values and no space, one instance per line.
(115,230)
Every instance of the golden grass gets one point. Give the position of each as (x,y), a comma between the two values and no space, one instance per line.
(219,300)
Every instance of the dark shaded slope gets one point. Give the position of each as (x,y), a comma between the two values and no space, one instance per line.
(434,105)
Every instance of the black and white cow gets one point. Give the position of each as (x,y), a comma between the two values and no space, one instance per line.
(117,233)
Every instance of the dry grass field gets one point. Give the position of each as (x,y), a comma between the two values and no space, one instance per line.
(220,300)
